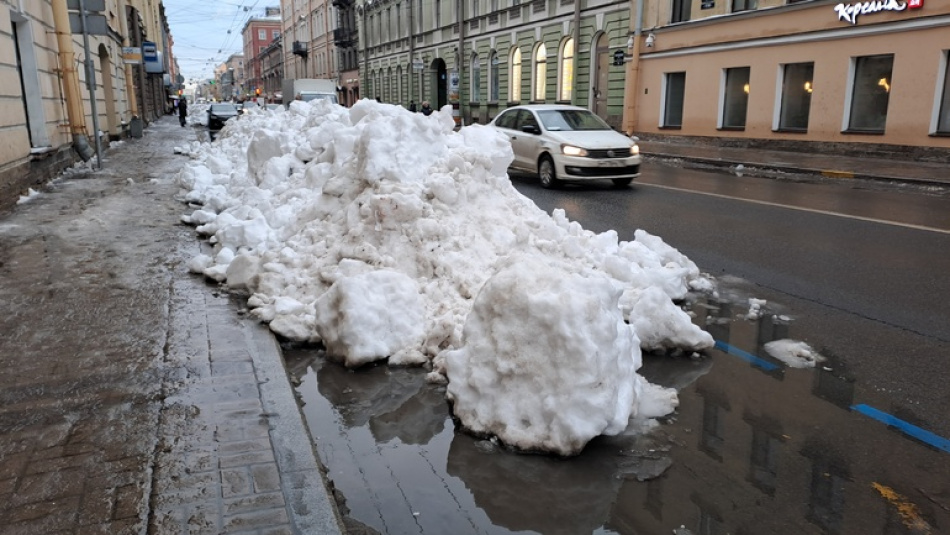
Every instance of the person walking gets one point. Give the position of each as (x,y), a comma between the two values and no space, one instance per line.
(426,108)
(182,110)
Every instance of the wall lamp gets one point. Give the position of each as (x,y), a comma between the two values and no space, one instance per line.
(651,38)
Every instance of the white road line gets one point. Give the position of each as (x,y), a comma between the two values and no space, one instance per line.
(801,209)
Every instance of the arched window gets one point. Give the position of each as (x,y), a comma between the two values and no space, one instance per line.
(514,79)
(493,77)
(475,73)
(566,88)
(540,72)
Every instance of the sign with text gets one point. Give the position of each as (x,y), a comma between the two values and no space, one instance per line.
(850,12)
(707,4)
(132,54)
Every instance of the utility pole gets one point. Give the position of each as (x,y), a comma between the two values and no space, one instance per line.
(91,82)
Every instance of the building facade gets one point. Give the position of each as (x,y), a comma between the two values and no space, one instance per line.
(311,35)
(817,75)
(482,56)
(258,34)
(49,114)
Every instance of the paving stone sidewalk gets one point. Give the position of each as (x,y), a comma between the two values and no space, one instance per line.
(134,398)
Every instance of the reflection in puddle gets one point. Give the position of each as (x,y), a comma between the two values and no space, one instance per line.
(752,450)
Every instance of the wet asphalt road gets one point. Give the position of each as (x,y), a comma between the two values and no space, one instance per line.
(865,292)
(754,447)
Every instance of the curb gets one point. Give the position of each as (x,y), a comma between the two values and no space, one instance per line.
(311,507)
(827,173)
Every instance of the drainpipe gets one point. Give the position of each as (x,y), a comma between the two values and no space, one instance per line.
(631,94)
(461,55)
(74,111)
(135,123)
(577,43)
(412,51)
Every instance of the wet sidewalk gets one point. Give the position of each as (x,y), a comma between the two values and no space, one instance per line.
(135,398)
(827,165)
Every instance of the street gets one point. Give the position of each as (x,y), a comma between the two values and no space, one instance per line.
(754,447)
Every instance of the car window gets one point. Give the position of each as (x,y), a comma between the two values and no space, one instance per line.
(572,120)
(507,119)
(525,118)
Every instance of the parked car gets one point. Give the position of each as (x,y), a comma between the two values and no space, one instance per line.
(219,113)
(567,143)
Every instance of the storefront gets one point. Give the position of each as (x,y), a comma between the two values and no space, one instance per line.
(818,75)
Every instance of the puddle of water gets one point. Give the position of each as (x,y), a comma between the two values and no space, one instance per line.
(752,449)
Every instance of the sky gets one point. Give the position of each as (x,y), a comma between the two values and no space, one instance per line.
(391,237)
(200,30)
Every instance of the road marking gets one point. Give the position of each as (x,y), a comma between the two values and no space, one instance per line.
(908,510)
(802,209)
(746,356)
(837,174)
(907,428)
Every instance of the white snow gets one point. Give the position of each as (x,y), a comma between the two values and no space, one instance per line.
(386,234)
(30,195)
(794,353)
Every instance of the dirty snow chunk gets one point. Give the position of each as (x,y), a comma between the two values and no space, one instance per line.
(794,353)
(661,325)
(369,317)
(242,272)
(30,195)
(551,393)
(755,308)
(200,263)
(655,400)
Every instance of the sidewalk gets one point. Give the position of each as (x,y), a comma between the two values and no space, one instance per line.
(134,397)
(831,166)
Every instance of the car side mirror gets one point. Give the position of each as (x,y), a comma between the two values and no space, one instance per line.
(530,129)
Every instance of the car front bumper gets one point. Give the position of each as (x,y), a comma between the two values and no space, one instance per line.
(578,168)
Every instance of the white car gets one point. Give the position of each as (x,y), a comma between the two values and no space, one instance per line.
(567,143)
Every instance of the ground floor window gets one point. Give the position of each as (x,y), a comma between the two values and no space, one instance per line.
(735,97)
(870,91)
(796,96)
(943,116)
(673,92)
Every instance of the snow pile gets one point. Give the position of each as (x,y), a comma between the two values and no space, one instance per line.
(375,230)
(30,195)
(794,353)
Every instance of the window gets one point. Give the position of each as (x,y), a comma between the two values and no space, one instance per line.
(681,10)
(476,79)
(514,80)
(493,77)
(871,88)
(943,114)
(261,35)
(744,5)
(540,72)
(735,97)
(673,92)
(419,25)
(438,13)
(398,21)
(274,34)
(796,96)
(475,8)
(566,68)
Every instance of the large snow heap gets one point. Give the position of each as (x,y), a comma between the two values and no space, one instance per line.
(382,233)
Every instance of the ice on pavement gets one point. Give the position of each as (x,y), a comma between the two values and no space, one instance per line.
(386,234)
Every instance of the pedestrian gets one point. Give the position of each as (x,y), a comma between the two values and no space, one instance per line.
(426,108)
(182,110)
(412,106)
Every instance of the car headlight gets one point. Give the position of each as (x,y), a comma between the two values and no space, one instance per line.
(635,150)
(571,150)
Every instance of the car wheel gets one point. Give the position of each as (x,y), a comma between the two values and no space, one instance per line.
(622,182)
(547,174)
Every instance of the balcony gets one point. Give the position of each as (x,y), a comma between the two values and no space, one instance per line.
(300,48)
(342,4)
(344,38)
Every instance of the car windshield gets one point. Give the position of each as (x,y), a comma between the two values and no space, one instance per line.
(223,108)
(571,120)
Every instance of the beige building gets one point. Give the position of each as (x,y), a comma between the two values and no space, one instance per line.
(309,47)
(47,117)
(810,75)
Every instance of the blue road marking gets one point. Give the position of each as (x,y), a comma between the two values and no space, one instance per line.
(746,356)
(907,428)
